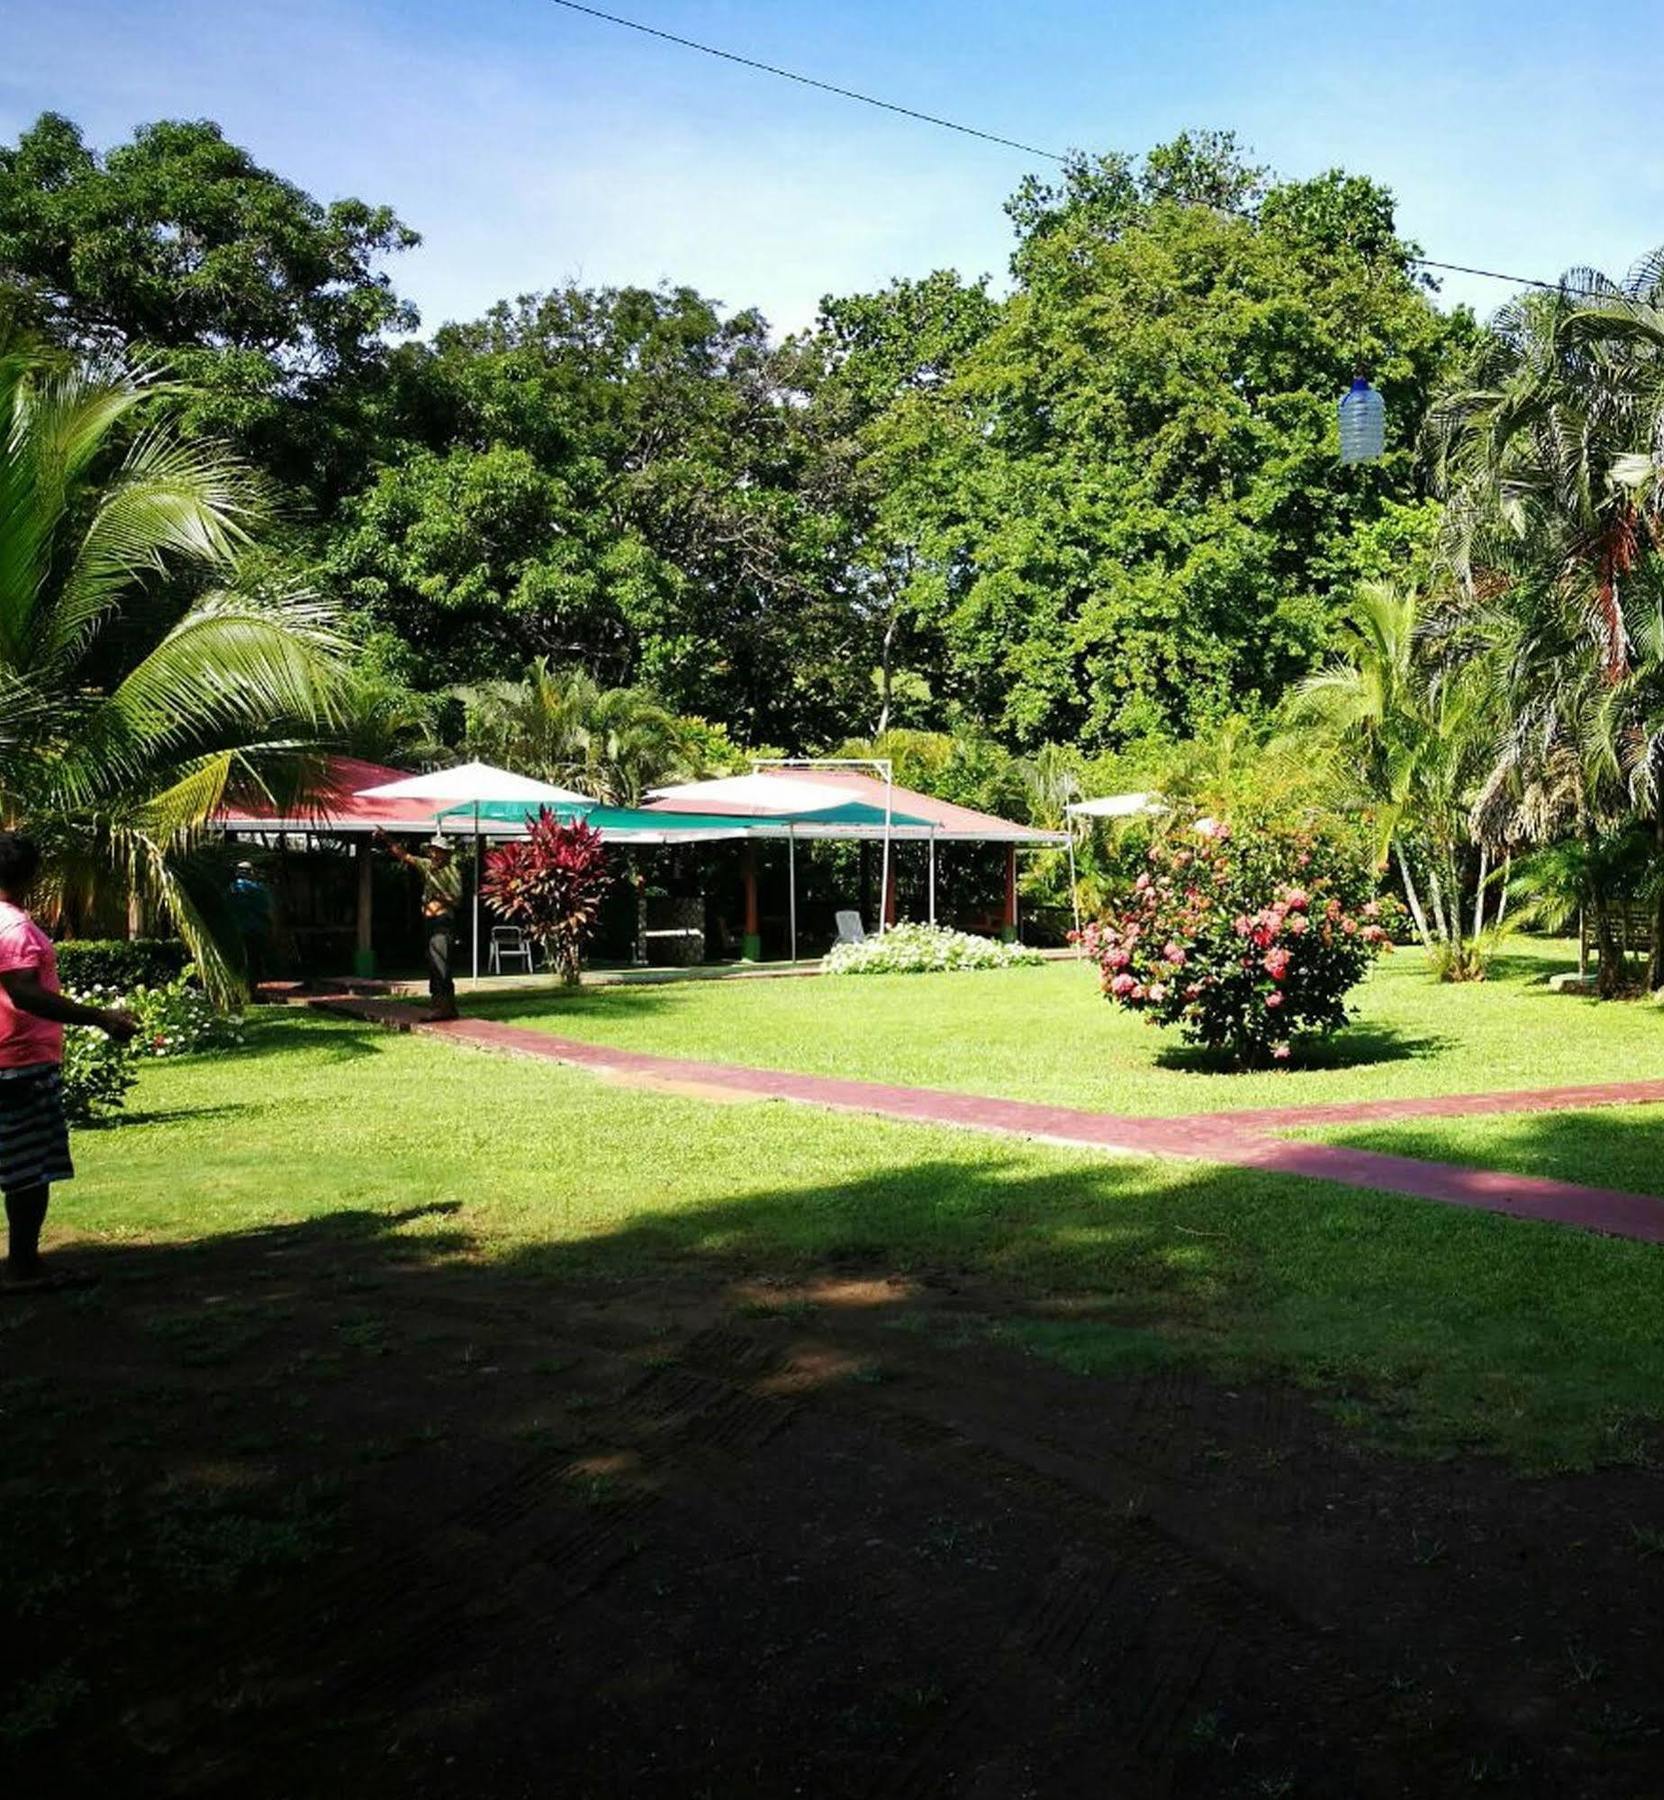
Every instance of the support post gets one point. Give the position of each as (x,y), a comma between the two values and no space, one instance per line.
(930,882)
(888,916)
(791,889)
(364,951)
(476,893)
(1074,891)
(751,945)
(1008,925)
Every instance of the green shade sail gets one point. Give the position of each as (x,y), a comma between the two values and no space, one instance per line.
(661,825)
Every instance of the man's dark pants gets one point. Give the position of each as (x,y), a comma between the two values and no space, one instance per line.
(440,985)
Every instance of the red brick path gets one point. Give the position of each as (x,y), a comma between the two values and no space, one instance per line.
(1238,1139)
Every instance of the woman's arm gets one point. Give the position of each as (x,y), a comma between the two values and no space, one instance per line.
(25,992)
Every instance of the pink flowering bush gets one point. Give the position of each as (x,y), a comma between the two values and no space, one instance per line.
(1247,938)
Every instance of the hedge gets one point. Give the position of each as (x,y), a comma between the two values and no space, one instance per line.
(120,962)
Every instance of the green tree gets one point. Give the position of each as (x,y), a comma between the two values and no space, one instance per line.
(1130,513)
(268,305)
(878,374)
(139,681)
(615,479)
(561,726)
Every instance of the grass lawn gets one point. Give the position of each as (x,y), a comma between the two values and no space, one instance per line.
(456,1425)
(1439,1327)
(1611,1147)
(1046,1034)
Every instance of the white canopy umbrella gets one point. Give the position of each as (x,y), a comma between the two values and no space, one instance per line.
(1116,806)
(764,793)
(476,784)
(758,793)
(1106,806)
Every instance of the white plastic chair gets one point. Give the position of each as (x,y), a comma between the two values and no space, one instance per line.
(509,944)
(850,928)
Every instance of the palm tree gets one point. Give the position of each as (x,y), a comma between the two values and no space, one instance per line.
(1414,727)
(562,726)
(383,721)
(1235,765)
(1550,449)
(137,679)
(1546,446)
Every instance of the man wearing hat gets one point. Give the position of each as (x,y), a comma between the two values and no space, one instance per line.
(441,895)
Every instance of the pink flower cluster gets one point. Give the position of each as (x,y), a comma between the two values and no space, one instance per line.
(1256,972)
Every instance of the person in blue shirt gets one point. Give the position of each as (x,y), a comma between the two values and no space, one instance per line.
(251,908)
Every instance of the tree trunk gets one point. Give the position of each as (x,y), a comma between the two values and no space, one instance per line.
(886,655)
(1479,892)
(568,955)
(1655,956)
(1437,893)
(1412,897)
(638,880)
(1507,876)
(1612,976)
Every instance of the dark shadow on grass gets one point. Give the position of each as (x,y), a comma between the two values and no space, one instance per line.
(167,1115)
(1358,1046)
(278,1030)
(1528,971)
(1605,1147)
(371,1504)
(554,1004)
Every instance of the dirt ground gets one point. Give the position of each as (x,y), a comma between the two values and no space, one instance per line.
(310,1512)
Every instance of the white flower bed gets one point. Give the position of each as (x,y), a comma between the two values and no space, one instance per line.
(923,949)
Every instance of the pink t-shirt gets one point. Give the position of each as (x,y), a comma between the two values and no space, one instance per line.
(24,1039)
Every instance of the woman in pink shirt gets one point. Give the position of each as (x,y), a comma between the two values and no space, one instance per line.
(34,1136)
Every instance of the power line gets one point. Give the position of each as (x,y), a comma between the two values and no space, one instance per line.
(1533,281)
(993,137)
(826,87)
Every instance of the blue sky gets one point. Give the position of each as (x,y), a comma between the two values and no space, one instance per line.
(530,145)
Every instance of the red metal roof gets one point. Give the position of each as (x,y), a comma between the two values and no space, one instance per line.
(949,820)
(335,804)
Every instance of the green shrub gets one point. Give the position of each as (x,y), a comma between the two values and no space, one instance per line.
(923,949)
(121,963)
(97,1071)
(178,1020)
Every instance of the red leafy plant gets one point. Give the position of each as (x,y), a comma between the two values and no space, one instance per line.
(1248,939)
(550,883)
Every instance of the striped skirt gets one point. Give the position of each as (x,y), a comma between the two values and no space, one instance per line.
(34,1137)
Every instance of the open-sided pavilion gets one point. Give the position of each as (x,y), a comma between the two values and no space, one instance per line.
(802,803)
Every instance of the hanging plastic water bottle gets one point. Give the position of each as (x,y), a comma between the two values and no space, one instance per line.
(1363,423)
